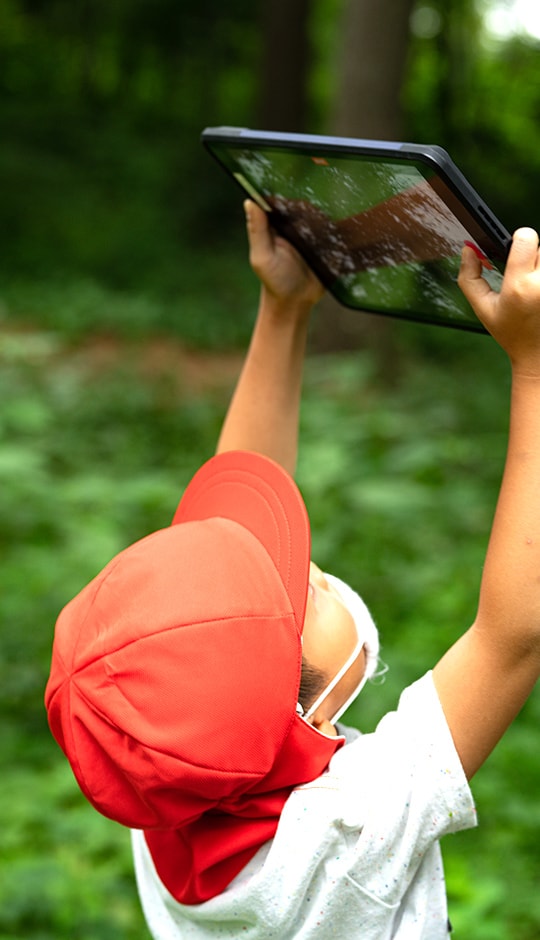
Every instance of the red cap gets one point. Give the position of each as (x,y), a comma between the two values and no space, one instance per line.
(175,676)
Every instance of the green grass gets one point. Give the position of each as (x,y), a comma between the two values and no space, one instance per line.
(400,483)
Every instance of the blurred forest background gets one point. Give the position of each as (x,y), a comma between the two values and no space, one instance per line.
(125,303)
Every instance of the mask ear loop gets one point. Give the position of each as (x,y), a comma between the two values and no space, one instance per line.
(337,678)
(350,700)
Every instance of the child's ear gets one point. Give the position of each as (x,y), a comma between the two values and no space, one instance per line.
(323,725)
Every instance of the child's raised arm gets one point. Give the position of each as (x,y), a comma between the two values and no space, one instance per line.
(263,414)
(485,678)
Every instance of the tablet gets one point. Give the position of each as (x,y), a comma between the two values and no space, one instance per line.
(381,223)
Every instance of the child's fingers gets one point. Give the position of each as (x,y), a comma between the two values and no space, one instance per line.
(490,306)
(474,287)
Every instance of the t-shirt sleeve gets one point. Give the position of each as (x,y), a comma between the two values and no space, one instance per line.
(403,789)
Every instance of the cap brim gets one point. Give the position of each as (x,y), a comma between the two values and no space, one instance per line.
(261,496)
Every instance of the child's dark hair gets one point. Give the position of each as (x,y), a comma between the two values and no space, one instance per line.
(312,682)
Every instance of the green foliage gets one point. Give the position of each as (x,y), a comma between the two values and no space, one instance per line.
(105,183)
(88,463)
(117,223)
(400,484)
(75,308)
(102,106)
(65,872)
(480,99)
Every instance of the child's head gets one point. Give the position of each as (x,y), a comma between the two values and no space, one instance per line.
(175,674)
(340,644)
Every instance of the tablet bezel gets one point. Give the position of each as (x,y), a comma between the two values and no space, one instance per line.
(433,157)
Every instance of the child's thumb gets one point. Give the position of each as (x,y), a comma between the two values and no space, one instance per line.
(260,239)
(255,217)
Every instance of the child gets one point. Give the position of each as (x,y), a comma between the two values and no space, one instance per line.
(197,681)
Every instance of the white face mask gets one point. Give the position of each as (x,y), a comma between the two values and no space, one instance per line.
(367,639)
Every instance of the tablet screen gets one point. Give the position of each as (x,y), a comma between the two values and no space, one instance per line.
(383,234)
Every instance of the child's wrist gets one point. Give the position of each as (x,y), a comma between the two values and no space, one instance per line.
(525,369)
(289,308)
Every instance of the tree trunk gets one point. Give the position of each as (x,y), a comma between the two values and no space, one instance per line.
(284,64)
(375,40)
(372,59)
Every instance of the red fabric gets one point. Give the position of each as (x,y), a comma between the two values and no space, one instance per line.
(175,675)
(199,860)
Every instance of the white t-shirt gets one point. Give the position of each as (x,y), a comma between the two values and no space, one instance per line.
(356,852)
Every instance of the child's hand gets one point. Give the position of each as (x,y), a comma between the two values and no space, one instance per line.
(513,316)
(281,270)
